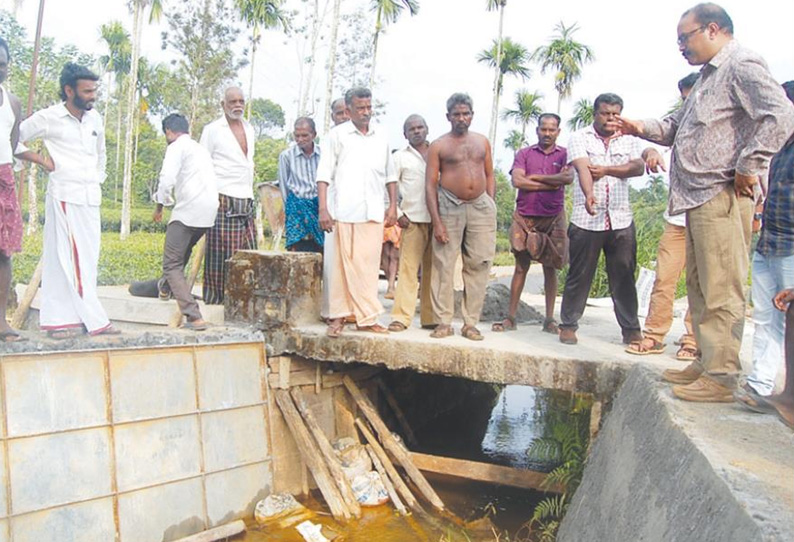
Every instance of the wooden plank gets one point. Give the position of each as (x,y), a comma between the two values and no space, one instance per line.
(391,444)
(284,367)
(327,451)
(482,472)
(395,498)
(296,364)
(311,456)
(360,373)
(392,473)
(216,533)
(21,314)
(398,412)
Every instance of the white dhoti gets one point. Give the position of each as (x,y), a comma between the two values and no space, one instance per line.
(69,277)
(329,251)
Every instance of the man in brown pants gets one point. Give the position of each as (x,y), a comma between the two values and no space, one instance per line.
(460,198)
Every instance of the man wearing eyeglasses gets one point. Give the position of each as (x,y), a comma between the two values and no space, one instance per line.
(723,137)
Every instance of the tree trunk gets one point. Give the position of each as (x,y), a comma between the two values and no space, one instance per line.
(375,50)
(497,80)
(559,102)
(329,80)
(33,208)
(250,98)
(313,52)
(119,90)
(126,197)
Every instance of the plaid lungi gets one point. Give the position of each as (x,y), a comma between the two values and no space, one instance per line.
(234,230)
(544,237)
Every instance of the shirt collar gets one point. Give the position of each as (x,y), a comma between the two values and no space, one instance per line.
(591,129)
(409,148)
(298,152)
(723,54)
(537,147)
(351,128)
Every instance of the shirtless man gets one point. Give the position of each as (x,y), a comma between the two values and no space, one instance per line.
(460,197)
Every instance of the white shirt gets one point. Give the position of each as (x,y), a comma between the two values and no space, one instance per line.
(187,170)
(410,166)
(76,146)
(611,193)
(7,120)
(357,167)
(234,169)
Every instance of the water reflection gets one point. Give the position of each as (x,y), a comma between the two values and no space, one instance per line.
(513,424)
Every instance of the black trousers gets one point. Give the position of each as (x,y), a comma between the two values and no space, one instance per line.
(179,242)
(620,251)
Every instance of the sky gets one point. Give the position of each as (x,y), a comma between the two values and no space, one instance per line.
(425,58)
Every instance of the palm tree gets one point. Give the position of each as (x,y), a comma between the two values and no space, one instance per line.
(566,57)
(582,114)
(387,12)
(258,15)
(513,61)
(515,141)
(493,5)
(329,78)
(155,11)
(527,109)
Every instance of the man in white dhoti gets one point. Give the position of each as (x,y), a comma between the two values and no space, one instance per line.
(74,137)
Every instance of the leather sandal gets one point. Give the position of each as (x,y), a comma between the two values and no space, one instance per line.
(687,352)
(441,331)
(645,347)
(471,333)
(508,324)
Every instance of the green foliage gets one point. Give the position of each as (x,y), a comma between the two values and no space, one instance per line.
(582,114)
(565,56)
(265,116)
(505,202)
(266,159)
(513,61)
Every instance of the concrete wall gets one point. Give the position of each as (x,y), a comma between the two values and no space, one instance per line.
(131,445)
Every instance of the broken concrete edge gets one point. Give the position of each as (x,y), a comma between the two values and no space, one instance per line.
(481,364)
(648,477)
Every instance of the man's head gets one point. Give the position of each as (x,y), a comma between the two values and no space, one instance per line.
(415,130)
(702,31)
(685,85)
(78,86)
(460,111)
(174,125)
(5,59)
(233,103)
(788,86)
(359,106)
(304,133)
(606,109)
(339,112)
(548,130)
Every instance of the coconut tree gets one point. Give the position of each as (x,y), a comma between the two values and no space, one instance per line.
(512,61)
(259,15)
(493,5)
(527,109)
(565,56)
(582,114)
(515,141)
(386,13)
(155,11)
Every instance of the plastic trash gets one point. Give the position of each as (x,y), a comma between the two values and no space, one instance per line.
(369,490)
(311,532)
(281,508)
(355,461)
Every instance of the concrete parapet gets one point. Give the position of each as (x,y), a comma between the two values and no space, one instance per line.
(666,470)
(273,290)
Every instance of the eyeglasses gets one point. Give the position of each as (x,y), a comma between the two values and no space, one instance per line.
(683,38)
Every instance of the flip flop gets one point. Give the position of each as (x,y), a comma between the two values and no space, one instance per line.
(397,326)
(508,324)
(195,326)
(637,348)
(110,330)
(687,352)
(471,333)
(12,336)
(335,327)
(64,334)
(441,331)
(751,400)
(374,328)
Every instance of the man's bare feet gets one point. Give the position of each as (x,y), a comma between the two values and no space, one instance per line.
(784,407)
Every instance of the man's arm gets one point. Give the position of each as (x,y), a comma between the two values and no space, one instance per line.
(490,180)
(582,166)
(632,168)
(102,155)
(169,173)
(326,222)
(16,107)
(431,188)
(33,127)
(283,174)
(541,183)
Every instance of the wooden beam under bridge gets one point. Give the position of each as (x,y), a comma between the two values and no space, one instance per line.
(483,472)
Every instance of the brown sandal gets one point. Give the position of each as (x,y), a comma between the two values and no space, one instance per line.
(550,326)
(508,324)
(374,328)
(397,326)
(335,327)
(471,333)
(639,348)
(441,331)
(687,352)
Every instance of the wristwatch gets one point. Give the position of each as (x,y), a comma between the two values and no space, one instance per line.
(758,216)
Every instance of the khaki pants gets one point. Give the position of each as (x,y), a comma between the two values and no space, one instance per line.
(416,251)
(670,261)
(471,227)
(716,266)
(353,289)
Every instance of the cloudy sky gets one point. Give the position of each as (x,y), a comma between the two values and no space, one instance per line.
(423,59)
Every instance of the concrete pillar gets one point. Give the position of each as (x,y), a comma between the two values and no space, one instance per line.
(273,290)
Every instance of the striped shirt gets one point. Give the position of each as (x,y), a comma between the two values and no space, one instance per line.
(297,173)
(777,235)
(613,211)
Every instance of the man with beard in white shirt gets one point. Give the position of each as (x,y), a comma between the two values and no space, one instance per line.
(74,137)
(230,142)
(187,181)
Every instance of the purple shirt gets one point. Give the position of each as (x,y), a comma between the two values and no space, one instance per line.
(535,162)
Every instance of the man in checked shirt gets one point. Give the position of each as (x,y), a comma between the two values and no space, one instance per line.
(604,160)
(736,118)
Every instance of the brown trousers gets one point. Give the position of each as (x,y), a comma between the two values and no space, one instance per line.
(416,251)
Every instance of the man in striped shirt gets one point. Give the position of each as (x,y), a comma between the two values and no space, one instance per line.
(297,174)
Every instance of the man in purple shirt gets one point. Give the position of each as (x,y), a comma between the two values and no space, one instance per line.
(538,231)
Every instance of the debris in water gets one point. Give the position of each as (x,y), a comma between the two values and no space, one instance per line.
(312,532)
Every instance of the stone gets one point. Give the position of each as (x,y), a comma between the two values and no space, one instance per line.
(497,301)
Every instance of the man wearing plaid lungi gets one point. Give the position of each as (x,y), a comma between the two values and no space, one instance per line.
(230,142)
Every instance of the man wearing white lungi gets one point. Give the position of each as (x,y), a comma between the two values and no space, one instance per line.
(74,137)
(356,168)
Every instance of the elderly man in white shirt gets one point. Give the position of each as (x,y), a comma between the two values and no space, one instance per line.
(356,169)
(187,181)
(230,141)
(417,234)
(74,136)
